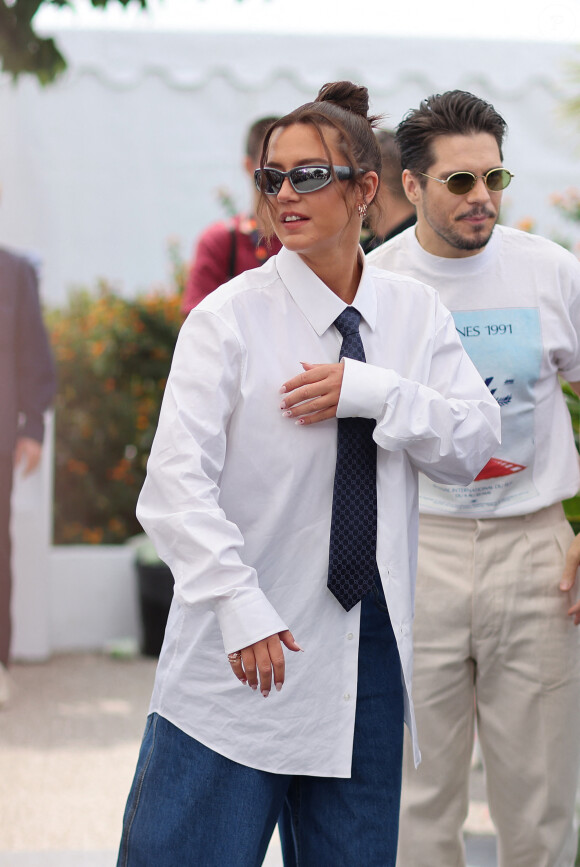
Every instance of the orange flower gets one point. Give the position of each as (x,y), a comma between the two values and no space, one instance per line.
(116,526)
(71,532)
(77,468)
(526,224)
(93,535)
(64,353)
(98,348)
(120,472)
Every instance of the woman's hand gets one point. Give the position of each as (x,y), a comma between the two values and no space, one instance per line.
(27,454)
(260,659)
(313,396)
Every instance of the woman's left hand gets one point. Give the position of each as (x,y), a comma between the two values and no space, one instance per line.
(260,660)
(313,396)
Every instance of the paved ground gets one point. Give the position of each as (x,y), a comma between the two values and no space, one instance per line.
(68,746)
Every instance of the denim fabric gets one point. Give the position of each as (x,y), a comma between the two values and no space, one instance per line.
(330,822)
(192,807)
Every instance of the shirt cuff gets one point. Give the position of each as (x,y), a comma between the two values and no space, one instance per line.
(364,390)
(247,618)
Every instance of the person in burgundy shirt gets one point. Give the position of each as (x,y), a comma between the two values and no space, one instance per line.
(397,213)
(230,247)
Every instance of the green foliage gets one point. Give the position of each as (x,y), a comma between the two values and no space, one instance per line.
(22,50)
(113,357)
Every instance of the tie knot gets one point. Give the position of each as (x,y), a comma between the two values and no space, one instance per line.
(348,322)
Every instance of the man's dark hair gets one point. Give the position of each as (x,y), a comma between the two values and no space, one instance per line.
(456,112)
(255,137)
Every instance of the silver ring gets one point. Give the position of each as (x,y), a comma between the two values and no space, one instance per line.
(235,657)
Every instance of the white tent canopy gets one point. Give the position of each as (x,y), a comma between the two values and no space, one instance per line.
(128,149)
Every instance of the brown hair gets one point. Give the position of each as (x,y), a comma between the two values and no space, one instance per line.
(343,107)
(455,112)
(255,137)
(391,171)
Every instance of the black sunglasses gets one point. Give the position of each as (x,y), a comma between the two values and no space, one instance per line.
(303,179)
(460,183)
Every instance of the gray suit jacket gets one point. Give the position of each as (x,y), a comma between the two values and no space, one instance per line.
(27,372)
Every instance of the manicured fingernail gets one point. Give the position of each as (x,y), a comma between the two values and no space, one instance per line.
(298,646)
(299,421)
(283,390)
(254,685)
(278,686)
(265,693)
(287,413)
(283,405)
(243,680)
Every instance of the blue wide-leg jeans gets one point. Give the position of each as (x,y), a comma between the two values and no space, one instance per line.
(191,807)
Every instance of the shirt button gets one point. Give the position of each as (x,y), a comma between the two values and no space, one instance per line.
(346,696)
(350,636)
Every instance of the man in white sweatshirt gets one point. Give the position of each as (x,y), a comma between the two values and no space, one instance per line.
(497,596)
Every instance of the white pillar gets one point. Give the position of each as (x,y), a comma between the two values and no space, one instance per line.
(31,538)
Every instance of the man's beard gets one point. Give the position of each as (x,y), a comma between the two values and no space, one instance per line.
(461,242)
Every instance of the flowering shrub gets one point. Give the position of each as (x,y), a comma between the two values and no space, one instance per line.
(113,357)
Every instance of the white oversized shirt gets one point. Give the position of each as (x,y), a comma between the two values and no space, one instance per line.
(238,500)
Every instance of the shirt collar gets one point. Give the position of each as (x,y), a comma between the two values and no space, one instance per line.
(317,302)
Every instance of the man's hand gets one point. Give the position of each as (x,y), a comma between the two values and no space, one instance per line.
(260,659)
(27,454)
(312,396)
(569,576)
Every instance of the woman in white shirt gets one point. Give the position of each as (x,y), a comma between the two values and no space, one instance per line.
(239,502)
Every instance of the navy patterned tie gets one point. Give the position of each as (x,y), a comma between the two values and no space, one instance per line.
(353,532)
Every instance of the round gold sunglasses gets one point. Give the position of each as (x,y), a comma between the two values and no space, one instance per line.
(460,183)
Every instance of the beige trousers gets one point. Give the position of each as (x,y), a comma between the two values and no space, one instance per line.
(493,642)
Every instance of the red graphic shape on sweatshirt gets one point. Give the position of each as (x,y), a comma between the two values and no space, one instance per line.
(496,467)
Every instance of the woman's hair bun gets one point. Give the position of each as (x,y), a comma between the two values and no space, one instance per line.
(349,96)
